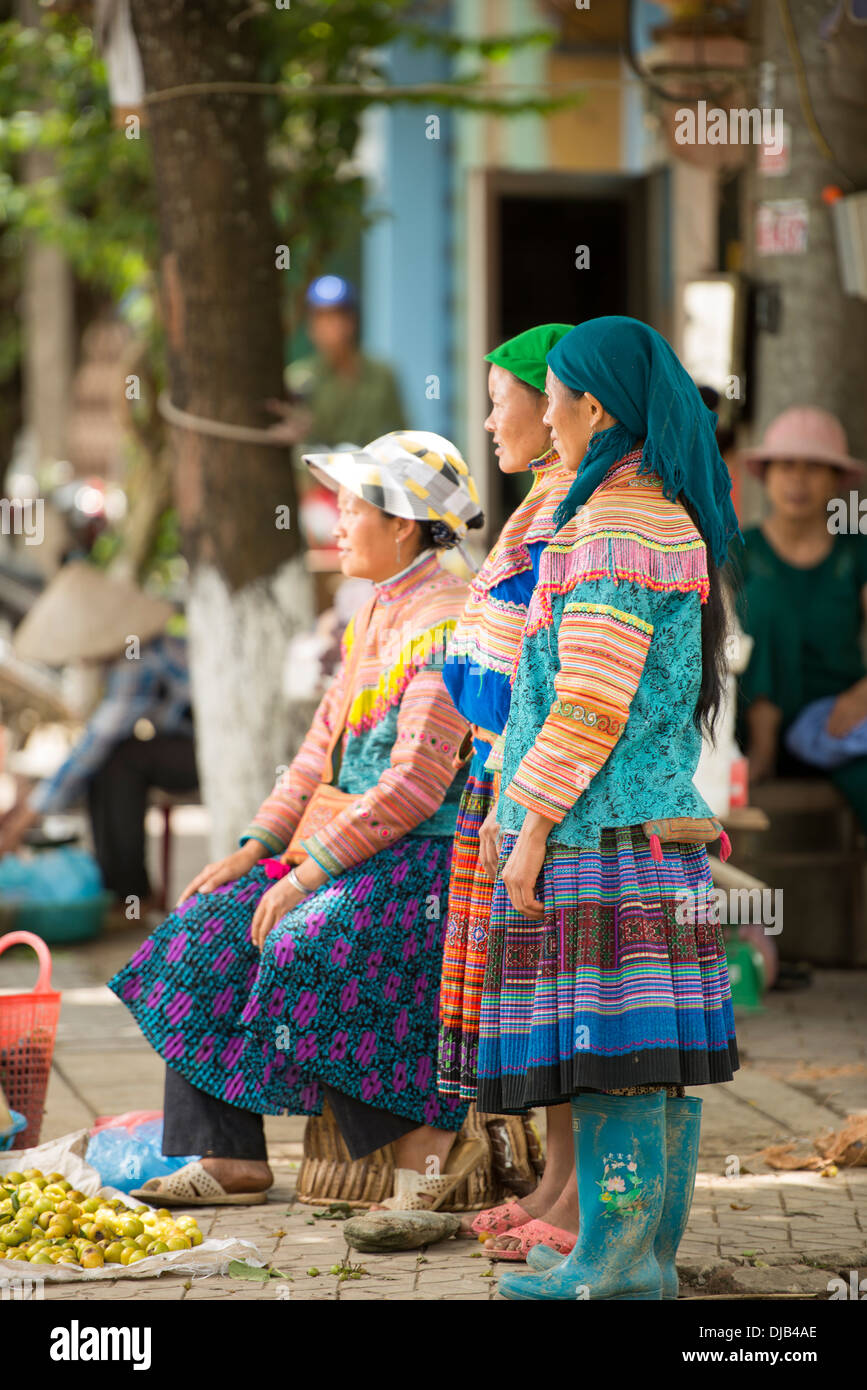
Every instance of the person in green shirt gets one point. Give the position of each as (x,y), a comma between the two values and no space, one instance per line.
(800,584)
(351,397)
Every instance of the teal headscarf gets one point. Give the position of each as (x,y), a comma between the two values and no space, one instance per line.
(637,377)
(525,355)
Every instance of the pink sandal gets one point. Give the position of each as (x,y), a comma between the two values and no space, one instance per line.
(536,1233)
(496,1220)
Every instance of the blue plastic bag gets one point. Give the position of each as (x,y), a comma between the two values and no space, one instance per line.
(809,740)
(65,875)
(128,1151)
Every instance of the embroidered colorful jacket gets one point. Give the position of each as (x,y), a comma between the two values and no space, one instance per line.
(482,654)
(402,732)
(601,730)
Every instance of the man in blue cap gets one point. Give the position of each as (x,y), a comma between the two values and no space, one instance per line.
(352,397)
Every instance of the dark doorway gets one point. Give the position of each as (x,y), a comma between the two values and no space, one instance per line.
(539,280)
(535,224)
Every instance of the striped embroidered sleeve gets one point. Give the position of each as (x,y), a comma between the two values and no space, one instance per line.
(602,650)
(275,821)
(412,787)
(495,757)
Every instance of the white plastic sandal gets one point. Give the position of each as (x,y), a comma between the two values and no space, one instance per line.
(194,1186)
(411,1188)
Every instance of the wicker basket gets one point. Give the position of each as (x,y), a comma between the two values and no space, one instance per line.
(329,1175)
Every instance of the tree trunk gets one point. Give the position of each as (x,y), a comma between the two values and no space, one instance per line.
(817,356)
(221,295)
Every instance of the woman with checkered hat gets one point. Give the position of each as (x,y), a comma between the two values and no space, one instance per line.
(273,987)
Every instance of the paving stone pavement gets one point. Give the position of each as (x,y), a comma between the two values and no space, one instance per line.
(755,1234)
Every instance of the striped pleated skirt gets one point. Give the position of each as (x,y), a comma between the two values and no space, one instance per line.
(623,983)
(466,942)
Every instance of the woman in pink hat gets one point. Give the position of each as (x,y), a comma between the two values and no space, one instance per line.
(802,596)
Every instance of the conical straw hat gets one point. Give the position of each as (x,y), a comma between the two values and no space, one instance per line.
(84,615)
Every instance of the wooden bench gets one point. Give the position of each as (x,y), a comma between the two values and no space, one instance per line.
(814,851)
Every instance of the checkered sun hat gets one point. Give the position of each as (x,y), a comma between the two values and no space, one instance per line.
(410,473)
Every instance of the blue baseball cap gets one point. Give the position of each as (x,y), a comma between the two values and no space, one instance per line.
(331,292)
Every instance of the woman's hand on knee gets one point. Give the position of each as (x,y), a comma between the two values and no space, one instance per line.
(490,836)
(224,870)
(283,896)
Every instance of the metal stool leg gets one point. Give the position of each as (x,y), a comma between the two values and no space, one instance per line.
(166,858)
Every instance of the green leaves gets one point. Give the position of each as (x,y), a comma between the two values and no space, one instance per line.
(239,1269)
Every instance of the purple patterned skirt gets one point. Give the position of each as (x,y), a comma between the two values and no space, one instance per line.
(346,990)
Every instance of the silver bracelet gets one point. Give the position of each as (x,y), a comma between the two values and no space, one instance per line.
(297,884)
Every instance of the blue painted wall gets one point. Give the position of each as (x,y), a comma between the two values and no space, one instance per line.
(408,253)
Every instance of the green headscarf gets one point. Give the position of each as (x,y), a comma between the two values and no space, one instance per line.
(638,378)
(524,356)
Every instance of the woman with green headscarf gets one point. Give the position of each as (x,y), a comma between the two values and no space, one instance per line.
(605,984)
(477,674)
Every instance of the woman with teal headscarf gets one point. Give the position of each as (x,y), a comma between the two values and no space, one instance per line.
(605,984)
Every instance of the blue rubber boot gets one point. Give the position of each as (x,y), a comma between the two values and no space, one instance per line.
(682,1128)
(620,1158)
(543,1257)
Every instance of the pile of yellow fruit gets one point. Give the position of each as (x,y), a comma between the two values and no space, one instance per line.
(45,1220)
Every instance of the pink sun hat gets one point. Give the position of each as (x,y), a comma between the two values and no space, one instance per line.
(806,432)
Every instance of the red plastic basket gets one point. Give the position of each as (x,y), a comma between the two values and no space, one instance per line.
(28,1023)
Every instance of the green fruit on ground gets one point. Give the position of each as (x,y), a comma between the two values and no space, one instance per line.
(92,1258)
(129,1226)
(158,1247)
(136,1256)
(113,1253)
(92,1204)
(179,1243)
(41,1257)
(12,1234)
(13,1179)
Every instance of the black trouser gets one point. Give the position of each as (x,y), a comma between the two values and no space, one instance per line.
(117,800)
(197,1123)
